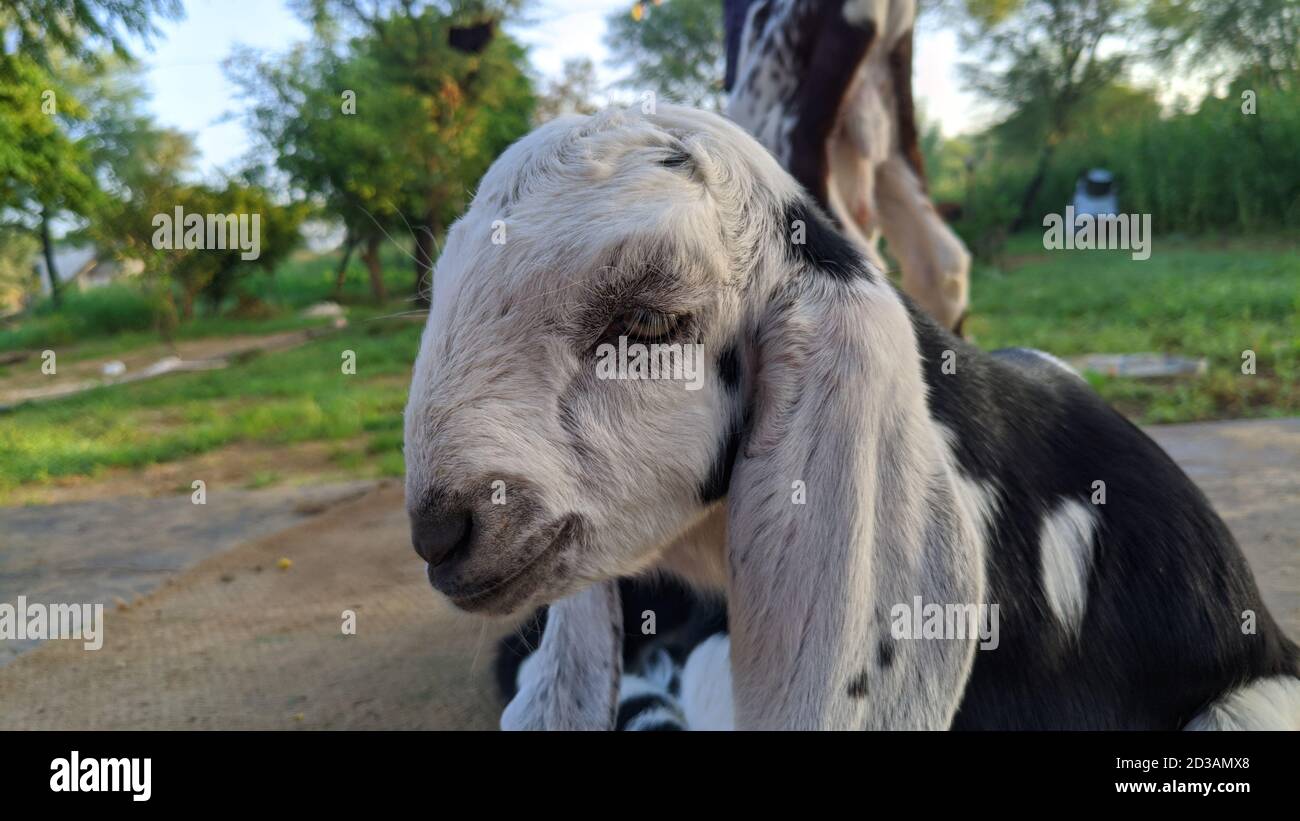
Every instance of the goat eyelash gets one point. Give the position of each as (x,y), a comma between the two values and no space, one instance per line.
(647,326)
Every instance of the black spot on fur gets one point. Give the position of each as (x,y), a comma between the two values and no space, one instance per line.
(823,249)
(661,727)
(729,369)
(719,481)
(885,654)
(858,687)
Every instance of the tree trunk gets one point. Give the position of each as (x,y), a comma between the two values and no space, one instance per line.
(47,247)
(1031,190)
(370,256)
(349,244)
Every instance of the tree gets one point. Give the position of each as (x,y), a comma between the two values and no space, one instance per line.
(1258,37)
(328,120)
(674,48)
(137,170)
(570,94)
(34,29)
(458,91)
(1043,60)
(213,273)
(17,247)
(42,169)
(134,167)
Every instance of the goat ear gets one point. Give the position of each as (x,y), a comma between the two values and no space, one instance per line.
(842,505)
(571,681)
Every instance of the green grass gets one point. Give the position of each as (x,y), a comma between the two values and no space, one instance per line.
(280,398)
(1205,298)
(261,479)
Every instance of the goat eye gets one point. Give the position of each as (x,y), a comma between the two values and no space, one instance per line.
(646,326)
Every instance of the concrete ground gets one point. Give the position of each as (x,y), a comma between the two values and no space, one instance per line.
(232,637)
(115,550)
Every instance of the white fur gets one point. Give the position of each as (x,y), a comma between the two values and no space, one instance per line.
(841,406)
(706,686)
(571,681)
(1065,540)
(843,410)
(655,718)
(1265,704)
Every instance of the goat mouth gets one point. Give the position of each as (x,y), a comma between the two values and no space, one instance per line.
(506,594)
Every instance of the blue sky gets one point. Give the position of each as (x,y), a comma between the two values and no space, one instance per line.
(190,91)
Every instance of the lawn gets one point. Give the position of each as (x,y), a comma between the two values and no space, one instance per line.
(287,397)
(280,398)
(1194,298)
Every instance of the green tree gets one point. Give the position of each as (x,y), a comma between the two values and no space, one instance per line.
(1257,37)
(17,247)
(139,170)
(326,119)
(42,169)
(674,48)
(1043,60)
(453,92)
(214,272)
(81,30)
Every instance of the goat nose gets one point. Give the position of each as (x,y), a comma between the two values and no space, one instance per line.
(437,535)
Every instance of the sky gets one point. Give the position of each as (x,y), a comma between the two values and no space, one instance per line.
(191,93)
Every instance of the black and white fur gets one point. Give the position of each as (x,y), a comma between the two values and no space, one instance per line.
(826,86)
(966,487)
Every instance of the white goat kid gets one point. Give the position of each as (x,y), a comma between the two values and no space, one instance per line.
(843,456)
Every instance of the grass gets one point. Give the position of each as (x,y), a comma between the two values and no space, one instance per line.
(1205,298)
(282,398)
(1211,299)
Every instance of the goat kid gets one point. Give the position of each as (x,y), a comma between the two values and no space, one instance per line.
(843,456)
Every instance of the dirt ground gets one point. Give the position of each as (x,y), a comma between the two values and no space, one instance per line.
(236,642)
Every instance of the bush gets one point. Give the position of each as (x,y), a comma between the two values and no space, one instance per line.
(1215,170)
(105,311)
(991,201)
